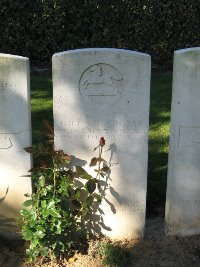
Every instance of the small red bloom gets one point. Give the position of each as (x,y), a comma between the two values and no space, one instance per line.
(102,141)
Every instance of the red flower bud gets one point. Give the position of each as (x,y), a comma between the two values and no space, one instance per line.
(102,141)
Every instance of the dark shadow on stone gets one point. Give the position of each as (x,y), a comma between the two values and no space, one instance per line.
(77,162)
(94,222)
(2,199)
(115,194)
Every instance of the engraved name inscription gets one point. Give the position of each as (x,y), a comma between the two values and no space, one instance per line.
(123,129)
(186,202)
(101,85)
(7,87)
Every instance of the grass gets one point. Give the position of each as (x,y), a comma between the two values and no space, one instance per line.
(41,104)
(160,106)
(42,108)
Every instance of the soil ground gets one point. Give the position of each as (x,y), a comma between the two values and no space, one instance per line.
(155,250)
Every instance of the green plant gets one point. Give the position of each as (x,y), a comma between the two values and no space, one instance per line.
(55,216)
(114,255)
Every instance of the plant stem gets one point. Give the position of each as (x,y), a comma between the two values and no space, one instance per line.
(99,167)
(54,176)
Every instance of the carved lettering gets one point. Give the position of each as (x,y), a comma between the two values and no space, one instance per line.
(7,87)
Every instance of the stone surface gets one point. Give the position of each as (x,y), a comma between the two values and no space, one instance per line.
(183,183)
(105,92)
(15,133)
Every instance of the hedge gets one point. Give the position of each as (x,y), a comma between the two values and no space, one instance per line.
(39,28)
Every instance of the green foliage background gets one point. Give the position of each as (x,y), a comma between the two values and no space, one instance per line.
(39,28)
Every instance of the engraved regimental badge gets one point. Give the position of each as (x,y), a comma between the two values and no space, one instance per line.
(101,85)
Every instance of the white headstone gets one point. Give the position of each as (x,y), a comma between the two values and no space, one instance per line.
(183,183)
(15,133)
(105,93)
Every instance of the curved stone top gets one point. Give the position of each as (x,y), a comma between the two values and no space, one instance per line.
(13,56)
(108,50)
(185,50)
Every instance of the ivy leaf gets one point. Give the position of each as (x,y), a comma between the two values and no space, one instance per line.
(27,235)
(44,252)
(41,181)
(39,234)
(54,213)
(59,230)
(27,203)
(24,212)
(50,204)
(91,185)
(43,204)
(82,173)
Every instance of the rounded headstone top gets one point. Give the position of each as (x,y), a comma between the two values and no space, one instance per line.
(13,56)
(99,50)
(186,50)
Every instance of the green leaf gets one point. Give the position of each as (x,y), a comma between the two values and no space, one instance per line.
(41,181)
(28,203)
(44,252)
(54,213)
(82,173)
(39,234)
(43,204)
(89,200)
(61,246)
(59,230)
(43,191)
(91,185)
(50,204)
(28,235)
(24,212)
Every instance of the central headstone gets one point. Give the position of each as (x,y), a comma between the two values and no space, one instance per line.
(105,93)
(15,133)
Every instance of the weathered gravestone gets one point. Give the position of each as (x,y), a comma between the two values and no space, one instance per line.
(105,92)
(15,133)
(183,183)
